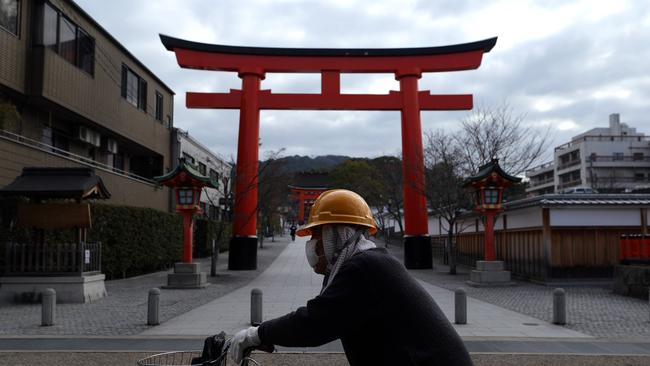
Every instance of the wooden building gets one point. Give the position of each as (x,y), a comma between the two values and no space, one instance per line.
(552,237)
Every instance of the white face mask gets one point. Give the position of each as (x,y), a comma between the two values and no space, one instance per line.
(310,251)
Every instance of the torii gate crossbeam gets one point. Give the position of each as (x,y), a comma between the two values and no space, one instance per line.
(252,64)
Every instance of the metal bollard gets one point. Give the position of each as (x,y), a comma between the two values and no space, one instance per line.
(48,308)
(153,308)
(461,306)
(213,259)
(256,307)
(559,306)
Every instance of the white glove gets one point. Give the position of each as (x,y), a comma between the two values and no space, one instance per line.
(243,340)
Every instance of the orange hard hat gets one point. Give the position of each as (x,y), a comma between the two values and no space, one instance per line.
(339,206)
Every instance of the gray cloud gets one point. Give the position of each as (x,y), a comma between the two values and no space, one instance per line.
(564,64)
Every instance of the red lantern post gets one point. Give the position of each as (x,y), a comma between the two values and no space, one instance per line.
(488,186)
(188,184)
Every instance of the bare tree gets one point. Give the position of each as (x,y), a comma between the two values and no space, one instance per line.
(499,132)
(444,192)
(271,193)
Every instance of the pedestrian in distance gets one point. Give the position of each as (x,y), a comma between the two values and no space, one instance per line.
(292,231)
(368,300)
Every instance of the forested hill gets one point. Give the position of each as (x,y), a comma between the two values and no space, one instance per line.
(293,164)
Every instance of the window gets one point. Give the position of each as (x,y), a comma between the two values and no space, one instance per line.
(49,33)
(159,106)
(67,40)
(639,177)
(214,174)
(202,168)
(491,196)
(64,37)
(185,196)
(188,158)
(10,15)
(134,88)
(85,52)
(637,156)
(618,156)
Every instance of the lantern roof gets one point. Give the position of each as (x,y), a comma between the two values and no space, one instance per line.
(186,174)
(489,173)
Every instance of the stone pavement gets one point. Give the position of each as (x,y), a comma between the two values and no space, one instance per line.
(513,319)
(591,309)
(124,311)
(289,282)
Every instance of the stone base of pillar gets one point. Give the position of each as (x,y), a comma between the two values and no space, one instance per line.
(417,252)
(489,274)
(242,254)
(186,276)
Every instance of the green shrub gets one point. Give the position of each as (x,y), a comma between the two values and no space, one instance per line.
(205,231)
(135,240)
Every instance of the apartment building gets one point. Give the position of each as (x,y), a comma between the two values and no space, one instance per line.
(207,163)
(71,95)
(610,159)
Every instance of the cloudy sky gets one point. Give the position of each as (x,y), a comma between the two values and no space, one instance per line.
(564,64)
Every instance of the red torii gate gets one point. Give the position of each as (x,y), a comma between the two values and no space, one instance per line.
(252,63)
(305,198)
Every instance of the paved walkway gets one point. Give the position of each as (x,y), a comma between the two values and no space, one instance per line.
(513,319)
(289,282)
(124,311)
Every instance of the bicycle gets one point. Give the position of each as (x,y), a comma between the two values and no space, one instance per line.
(215,353)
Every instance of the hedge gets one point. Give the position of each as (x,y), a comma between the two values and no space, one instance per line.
(207,230)
(134,240)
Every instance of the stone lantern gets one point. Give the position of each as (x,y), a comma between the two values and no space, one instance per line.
(487,187)
(187,183)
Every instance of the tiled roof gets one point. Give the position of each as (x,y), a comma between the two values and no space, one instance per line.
(548,200)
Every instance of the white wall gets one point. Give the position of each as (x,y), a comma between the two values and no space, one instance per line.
(524,218)
(595,216)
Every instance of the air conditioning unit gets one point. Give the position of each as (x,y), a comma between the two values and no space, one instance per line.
(89,136)
(109,145)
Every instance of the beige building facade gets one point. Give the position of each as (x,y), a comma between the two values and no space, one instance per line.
(72,95)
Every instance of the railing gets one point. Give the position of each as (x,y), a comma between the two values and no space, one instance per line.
(568,164)
(623,158)
(535,183)
(6,135)
(569,184)
(614,180)
(538,168)
(602,138)
(53,259)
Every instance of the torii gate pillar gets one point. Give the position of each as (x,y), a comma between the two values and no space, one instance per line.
(251,63)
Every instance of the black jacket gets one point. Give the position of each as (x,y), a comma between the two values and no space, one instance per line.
(380,313)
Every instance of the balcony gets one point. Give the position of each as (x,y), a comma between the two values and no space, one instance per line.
(618,158)
(569,184)
(577,142)
(126,188)
(6,135)
(568,164)
(541,182)
(539,169)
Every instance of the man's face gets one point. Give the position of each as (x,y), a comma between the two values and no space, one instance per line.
(321,266)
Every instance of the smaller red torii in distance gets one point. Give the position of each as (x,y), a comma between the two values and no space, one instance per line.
(252,64)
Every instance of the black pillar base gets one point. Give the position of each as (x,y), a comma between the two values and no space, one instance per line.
(242,254)
(417,252)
